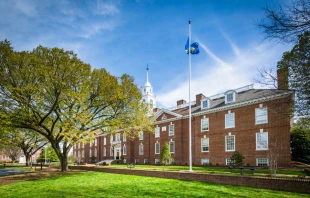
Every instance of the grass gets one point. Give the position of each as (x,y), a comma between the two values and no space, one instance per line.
(98,184)
(216,170)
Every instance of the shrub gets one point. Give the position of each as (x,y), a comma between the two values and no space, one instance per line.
(237,158)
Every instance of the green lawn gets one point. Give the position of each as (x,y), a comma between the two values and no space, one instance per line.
(216,170)
(98,184)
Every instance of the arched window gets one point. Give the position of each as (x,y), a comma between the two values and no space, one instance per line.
(151,101)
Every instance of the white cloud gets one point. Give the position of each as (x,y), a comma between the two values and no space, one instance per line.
(218,75)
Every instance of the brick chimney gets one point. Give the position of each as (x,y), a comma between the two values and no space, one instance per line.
(180,102)
(282,78)
(199,97)
(155,110)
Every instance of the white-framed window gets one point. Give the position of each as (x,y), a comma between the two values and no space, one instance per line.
(124,150)
(164,117)
(229,120)
(124,137)
(111,151)
(230,143)
(204,161)
(157,132)
(136,161)
(82,153)
(204,144)
(261,161)
(111,138)
(104,141)
(90,153)
(205,103)
(79,154)
(261,115)
(141,149)
(95,152)
(82,144)
(229,161)
(104,151)
(262,141)
(157,148)
(74,146)
(230,97)
(95,141)
(164,128)
(146,161)
(3,157)
(205,124)
(90,143)
(118,137)
(171,146)
(141,135)
(171,129)
(157,161)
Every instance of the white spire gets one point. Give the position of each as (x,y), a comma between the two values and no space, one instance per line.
(147,73)
(147,91)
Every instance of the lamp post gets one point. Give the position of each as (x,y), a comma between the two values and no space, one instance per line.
(45,154)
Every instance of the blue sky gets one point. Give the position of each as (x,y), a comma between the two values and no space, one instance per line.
(125,36)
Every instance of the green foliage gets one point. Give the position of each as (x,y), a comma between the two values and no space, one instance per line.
(300,140)
(165,155)
(237,159)
(297,62)
(52,92)
(50,154)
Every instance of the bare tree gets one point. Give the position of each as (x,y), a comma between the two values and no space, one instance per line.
(273,157)
(285,22)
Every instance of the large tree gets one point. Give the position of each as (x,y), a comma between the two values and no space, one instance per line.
(29,142)
(295,67)
(52,92)
(285,22)
(300,140)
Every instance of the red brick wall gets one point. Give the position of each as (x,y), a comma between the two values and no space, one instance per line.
(278,128)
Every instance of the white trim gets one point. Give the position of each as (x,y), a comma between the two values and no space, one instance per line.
(173,146)
(263,158)
(257,109)
(157,131)
(201,124)
(228,127)
(262,133)
(226,143)
(208,142)
(158,147)
(233,92)
(173,131)
(208,103)
(124,150)
(228,107)
(159,113)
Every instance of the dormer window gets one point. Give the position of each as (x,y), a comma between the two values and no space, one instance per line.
(205,103)
(230,96)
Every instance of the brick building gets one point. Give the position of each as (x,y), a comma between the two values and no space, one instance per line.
(255,122)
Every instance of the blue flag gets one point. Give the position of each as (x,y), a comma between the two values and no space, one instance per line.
(194,47)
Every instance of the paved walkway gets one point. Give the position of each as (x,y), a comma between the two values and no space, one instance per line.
(4,172)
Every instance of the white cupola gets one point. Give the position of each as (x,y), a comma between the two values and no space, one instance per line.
(147,92)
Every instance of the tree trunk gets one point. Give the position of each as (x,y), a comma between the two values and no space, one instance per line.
(27,159)
(64,162)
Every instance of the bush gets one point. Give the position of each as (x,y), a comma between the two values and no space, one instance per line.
(237,159)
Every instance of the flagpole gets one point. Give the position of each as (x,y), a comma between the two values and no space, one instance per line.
(189,93)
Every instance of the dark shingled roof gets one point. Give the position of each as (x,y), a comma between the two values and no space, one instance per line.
(243,96)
